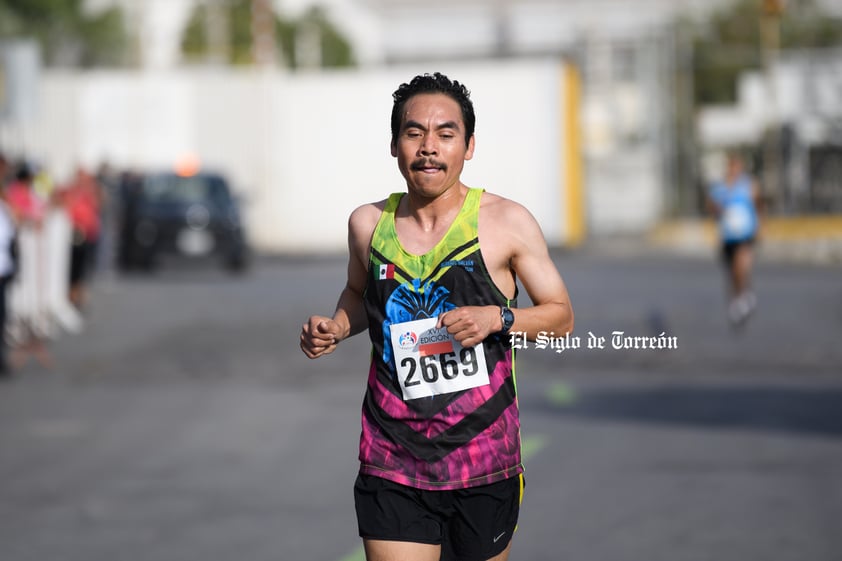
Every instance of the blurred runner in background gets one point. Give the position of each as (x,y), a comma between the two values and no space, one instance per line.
(734,200)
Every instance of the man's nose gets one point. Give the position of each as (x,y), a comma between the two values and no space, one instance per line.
(429,145)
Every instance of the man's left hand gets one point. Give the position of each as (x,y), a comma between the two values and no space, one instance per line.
(471,324)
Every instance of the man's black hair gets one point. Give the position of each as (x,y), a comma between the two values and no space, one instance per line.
(24,171)
(433,83)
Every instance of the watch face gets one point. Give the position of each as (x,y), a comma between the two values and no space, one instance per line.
(508,319)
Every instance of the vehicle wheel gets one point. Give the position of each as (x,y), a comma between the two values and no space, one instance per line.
(146,261)
(236,263)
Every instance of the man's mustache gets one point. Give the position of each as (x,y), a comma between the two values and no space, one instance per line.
(422,163)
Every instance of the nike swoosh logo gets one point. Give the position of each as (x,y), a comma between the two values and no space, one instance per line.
(498,537)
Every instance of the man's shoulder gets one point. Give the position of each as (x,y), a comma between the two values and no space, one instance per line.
(498,206)
(367,210)
(364,218)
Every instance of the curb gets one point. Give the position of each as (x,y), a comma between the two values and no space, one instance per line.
(796,239)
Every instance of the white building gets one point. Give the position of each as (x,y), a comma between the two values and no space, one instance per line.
(800,100)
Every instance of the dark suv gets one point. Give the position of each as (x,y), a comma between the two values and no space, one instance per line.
(193,216)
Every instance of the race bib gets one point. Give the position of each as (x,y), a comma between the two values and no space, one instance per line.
(737,222)
(430,361)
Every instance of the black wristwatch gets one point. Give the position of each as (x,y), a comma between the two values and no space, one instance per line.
(508,318)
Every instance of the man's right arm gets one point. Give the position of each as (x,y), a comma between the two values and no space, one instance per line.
(321,334)
(350,311)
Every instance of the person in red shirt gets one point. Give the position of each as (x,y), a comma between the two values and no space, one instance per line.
(25,205)
(28,211)
(82,200)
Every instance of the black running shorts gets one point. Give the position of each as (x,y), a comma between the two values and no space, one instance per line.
(729,249)
(472,524)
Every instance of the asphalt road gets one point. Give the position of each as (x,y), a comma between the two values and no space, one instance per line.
(185,424)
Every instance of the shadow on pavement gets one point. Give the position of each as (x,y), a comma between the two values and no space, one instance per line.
(792,410)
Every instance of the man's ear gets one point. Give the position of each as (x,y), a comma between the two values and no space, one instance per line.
(394,148)
(470,152)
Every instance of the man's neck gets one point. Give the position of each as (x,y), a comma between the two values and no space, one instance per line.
(429,213)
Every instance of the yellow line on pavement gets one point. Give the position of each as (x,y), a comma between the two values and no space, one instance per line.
(772,228)
(531,445)
(358,555)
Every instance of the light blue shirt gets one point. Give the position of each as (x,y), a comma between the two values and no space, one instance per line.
(738,219)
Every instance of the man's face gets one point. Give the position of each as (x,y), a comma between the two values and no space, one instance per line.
(430,146)
(735,166)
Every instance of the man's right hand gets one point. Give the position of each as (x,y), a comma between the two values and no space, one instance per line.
(319,336)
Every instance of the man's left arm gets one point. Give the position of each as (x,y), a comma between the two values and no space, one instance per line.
(551,310)
(528,258)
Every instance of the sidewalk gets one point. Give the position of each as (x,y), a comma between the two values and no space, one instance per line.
(797,239)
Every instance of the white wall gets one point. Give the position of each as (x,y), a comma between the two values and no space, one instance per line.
(304,150)
(624,193)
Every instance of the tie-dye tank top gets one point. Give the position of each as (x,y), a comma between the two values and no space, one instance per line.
(436,416)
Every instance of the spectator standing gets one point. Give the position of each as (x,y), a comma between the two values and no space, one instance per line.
(7,261)
(29,318)
(82,200)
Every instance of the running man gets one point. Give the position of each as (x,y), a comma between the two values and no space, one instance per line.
(734,201)
(432,276)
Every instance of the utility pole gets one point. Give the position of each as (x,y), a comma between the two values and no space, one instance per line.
(308,45)
(502,28)
(770,37)
(216,24)
(263,33)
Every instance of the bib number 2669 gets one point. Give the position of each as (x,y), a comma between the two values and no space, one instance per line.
(430,361)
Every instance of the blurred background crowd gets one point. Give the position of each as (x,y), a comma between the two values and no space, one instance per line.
(50,238)
(57,237)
